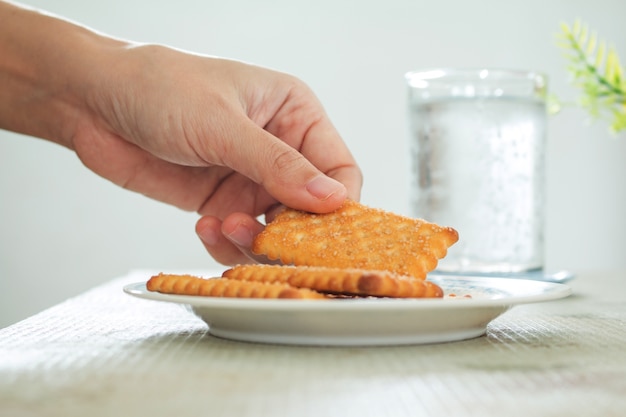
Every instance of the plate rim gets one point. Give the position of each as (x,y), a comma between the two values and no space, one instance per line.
(556,291)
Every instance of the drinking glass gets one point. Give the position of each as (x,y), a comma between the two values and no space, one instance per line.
(477,140)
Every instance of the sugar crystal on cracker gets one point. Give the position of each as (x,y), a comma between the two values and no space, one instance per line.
(356,236)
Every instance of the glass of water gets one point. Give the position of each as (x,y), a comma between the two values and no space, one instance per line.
(477,139)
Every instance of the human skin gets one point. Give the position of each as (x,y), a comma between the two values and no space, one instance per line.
(226,139)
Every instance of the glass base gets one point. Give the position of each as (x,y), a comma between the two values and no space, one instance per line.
(535,274)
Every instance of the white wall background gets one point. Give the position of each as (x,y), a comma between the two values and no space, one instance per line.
(64,230)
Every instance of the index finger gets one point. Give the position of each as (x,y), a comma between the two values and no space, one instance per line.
(310,131)
(325,148)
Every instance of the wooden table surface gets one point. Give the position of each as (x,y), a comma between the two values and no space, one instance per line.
(105,353)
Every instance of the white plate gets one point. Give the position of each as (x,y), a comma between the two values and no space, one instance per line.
(361,322)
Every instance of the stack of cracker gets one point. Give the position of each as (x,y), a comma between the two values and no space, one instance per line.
(353,251)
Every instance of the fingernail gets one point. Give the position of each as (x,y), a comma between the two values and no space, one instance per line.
(322,187)
(241,236)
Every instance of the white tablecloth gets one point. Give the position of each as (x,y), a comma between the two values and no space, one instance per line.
(105,353)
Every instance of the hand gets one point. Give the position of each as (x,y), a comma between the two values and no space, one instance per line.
(219,137)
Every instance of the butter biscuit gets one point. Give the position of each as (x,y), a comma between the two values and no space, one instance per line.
(338,281)
(224,287)
(356,236)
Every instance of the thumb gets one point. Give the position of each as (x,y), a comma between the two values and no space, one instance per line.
(283,171)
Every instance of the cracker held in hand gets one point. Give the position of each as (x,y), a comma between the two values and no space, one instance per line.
(223,287)
(338,281)
(356,236)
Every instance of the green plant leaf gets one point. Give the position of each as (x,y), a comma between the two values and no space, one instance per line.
(591,46)
(596,71)
(600,54)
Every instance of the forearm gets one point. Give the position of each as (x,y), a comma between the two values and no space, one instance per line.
(47,68)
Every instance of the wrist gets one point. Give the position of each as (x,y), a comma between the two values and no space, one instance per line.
(49,66)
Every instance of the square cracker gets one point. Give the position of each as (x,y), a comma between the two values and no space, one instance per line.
(343,281)
(356,236)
